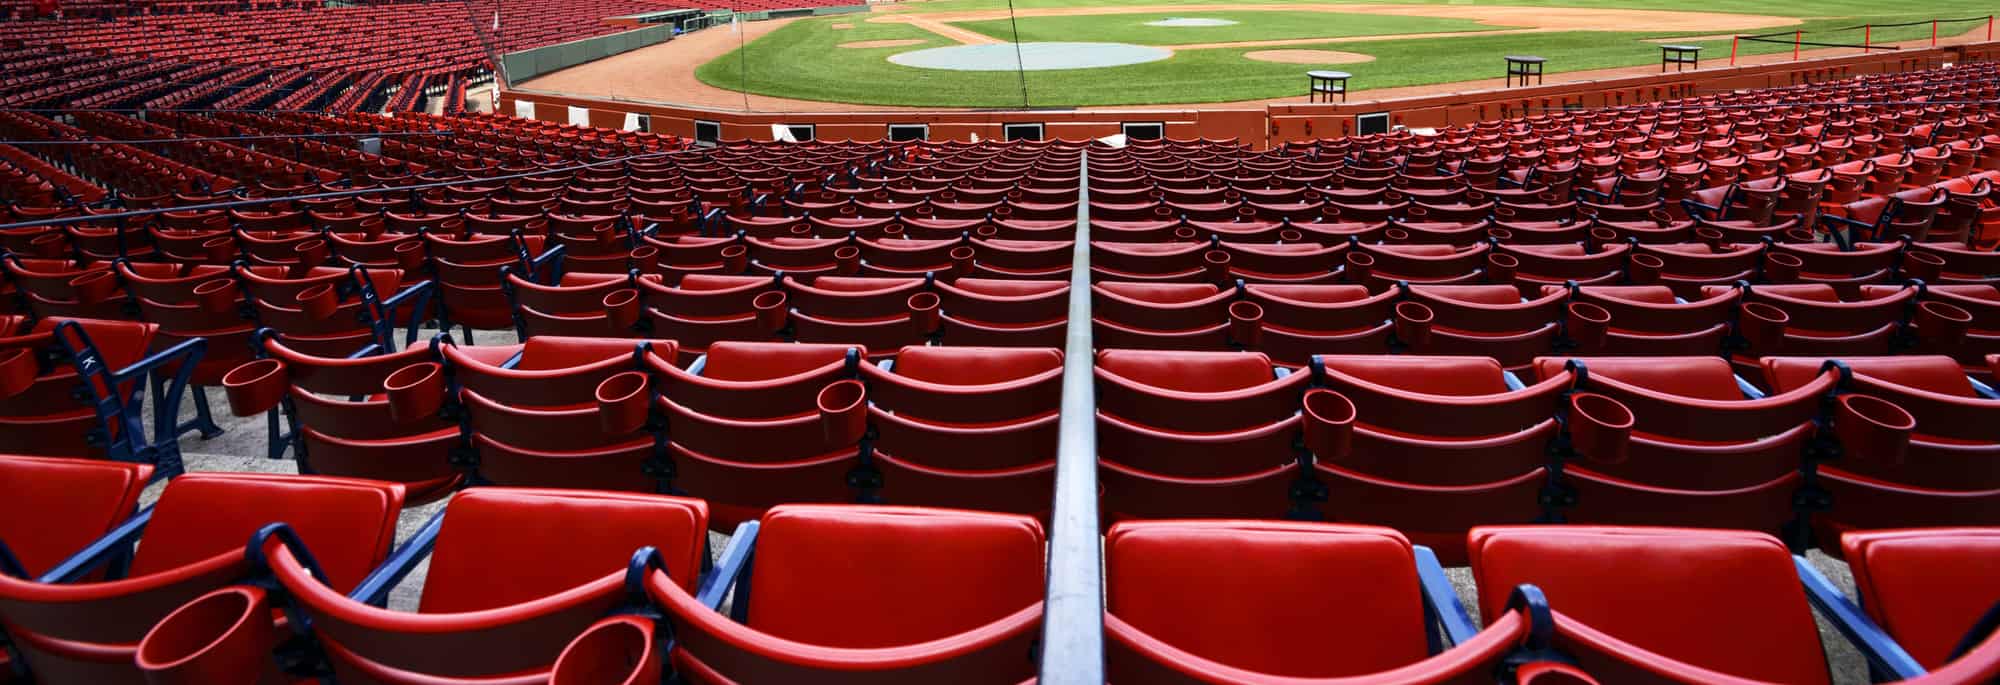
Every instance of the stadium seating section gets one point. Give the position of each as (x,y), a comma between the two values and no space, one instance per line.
(197,54)
(1627,365)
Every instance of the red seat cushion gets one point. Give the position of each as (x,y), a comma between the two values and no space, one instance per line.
(1284,598)
(862,577)
(348,523)
(1708,378)
(1456,376)
(1926,587)
(755,361)
(548,541)
(1724,600)
(1188,371)
(56,507)
(974,365)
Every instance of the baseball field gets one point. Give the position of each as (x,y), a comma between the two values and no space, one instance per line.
(1087,53)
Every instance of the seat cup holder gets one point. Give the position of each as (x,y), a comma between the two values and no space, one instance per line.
(222,638)
(735,258)
(1781,267)
(986,231)
(416,392)
(1396,236)
(1360,265)
(371,228)
(622,402)
(619,650)
(1291,235)
(892,231)
(217,297)
(1872,428)
(18,370)
(1501,268)
(317,302)
(1328,423)
(1549,673)
(1712,237)
(1246,323)
(1763,325)
(254,387)
(1922,265)
(771,310)
(47,245)
(924,311)
(1413,323)
(409,255)
(800,231)
(843,411)
(1942,323)
(1186,234)
(1163,212)
(93,287)
(311,253)
(1661,218)
(1600,427)
(1798,235)
(961,261)
(643,256)
(1498,233)
(1646,269)
(847,260)
(1588,324)
(1600,236)
(622,307)
(1215,263)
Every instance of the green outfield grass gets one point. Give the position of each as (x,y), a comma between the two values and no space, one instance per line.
(802,60)
(1132,28)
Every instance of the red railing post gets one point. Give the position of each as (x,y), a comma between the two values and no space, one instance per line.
(1797,37)
(1867,36)
(1732,50)
(1933,33)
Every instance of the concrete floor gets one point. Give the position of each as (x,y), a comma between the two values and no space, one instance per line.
(242,446)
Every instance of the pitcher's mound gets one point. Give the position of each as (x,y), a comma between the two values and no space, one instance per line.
(894,43)
(1308,56)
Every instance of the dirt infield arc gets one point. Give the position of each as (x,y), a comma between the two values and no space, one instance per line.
(666,73)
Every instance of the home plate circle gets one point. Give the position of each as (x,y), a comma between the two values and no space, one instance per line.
(1032,56)
(1189,22)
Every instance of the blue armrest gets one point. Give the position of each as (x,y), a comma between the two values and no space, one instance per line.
(423,292)
(1748,389)
(707,218)
(1700,210)
(1983,389)
(167,407)
(729,569)
(552,258)
(9,565)
(1440,600)
(1882,651)
(99,550)
(374,590)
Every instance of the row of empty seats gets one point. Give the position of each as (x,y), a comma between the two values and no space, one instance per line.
(511,592)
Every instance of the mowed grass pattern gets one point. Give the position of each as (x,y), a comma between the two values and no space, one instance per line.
(1264,25)
(802,61)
